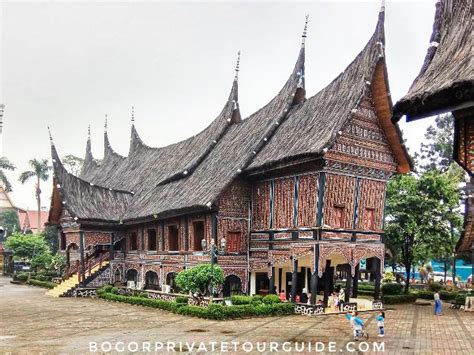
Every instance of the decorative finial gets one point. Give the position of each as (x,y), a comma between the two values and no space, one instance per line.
(133,114)
(50,136)
(382,6)
(237,66)
(305,31)
(105,125)
(89,132)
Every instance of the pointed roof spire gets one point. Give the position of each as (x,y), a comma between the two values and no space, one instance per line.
(305,32)
(105,124)
(50,136)
(89,132)
(382,6)
(133,115)
(237,66)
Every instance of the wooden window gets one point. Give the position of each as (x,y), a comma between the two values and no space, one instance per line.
(133,241)
(151,239)
(173,238)
(369,220)
(339,216)
(233,242)
(198,235)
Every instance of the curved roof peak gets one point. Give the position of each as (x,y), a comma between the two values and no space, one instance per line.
(108,150)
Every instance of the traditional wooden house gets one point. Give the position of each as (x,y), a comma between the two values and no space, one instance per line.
(446,84)
(289,195)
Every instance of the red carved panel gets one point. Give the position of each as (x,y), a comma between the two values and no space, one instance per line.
(261,205)
(307,200)
(95,238)
(371,197)
(340,191)
(228,226)
(235,200)
(284,197)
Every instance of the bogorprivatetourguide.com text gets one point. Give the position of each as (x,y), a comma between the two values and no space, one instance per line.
(234,347)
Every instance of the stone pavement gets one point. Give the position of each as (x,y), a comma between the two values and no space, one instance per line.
(33,323)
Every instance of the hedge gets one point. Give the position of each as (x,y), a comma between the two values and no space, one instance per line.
(392,289)
(435,286)
(44,284)
(213,311)
(241,300)
(394,299)
(21,276)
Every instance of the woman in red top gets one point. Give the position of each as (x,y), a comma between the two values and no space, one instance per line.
(282,296)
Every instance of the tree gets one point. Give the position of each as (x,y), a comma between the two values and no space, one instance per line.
(26,247)
(198,279)
(41,172)
(9,221)
(420,215)
(437,151)
(50,235)
(5,164)
(73,164)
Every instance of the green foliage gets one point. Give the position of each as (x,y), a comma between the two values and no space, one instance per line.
(181,299)
(21,276)
(422,216)
(271,299)
(114,290)
(42,261)
(198,279)
(9,221)
(44,284)
(388,277)
(50,234)
(58,264)
(403,298)
(435,286)
(26,247)
(213,311)
(460,299)
(73,164)
(239,299)
(392,289)
(5,164)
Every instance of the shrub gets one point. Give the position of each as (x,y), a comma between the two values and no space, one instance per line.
(257,299)
(447,296)
(213,311)
(460,298)
(114,290)
(44,284)
(394,299)
(271,299)
(181,299)
(21,276)
(238,300)
(198,278)
(107,288)
(388,277)
(426,295)
(435,286)
(392,289)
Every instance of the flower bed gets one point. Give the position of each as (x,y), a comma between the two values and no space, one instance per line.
(212,311)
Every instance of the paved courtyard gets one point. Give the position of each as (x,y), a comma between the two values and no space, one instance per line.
(33,323)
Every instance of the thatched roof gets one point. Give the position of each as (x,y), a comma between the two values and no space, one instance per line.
(190,175)
(446,78)
(85,200)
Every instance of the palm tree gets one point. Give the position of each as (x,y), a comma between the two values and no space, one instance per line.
(5,164)
(41,172)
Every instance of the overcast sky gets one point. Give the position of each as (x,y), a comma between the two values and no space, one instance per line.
(67,64)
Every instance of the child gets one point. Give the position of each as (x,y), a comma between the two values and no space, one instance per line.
(356,323)
(380,323)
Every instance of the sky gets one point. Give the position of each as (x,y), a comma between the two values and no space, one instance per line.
(68,64)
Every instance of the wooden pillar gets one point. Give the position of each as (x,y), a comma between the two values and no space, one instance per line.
(377,278)
(112,240)
(348,284)
(355,283)
(294,279)
(185,222)
(326,276)
(82,271)
(214,228)
(314,277)
(280,276)
(272,282)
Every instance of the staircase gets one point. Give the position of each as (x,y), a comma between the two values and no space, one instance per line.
(93,267)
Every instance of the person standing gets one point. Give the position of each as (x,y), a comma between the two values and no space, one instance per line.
(381,323)
(437,305)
